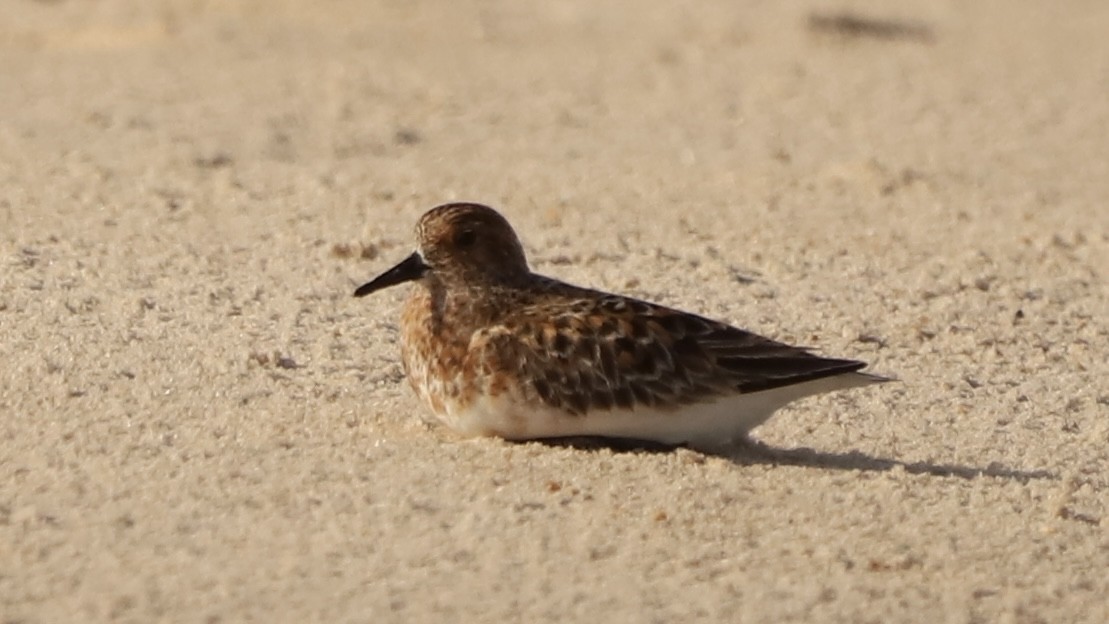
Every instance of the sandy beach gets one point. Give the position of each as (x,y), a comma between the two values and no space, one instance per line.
(199,423)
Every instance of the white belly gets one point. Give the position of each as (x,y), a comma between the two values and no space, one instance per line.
(703,425)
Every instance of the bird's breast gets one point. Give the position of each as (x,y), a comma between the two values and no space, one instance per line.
(433,349)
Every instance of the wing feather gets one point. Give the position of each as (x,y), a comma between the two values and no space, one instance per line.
(599,353)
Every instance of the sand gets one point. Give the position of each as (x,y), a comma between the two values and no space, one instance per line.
(198,423)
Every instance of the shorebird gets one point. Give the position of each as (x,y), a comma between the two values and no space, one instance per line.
(497,350)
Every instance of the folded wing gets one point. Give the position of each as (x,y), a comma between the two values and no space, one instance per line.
(616,352)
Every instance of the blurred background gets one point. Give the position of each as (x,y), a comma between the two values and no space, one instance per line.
(197,421)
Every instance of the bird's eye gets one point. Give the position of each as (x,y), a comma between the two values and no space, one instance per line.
(465,238)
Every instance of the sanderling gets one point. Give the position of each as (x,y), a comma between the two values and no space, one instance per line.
(497,350)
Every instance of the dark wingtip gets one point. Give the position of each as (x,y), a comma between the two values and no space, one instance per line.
(778,372)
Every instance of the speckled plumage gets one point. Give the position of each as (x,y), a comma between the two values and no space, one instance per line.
(495,349)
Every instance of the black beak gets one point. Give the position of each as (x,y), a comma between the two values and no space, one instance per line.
(411,268)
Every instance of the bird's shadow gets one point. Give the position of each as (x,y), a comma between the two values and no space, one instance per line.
(752,452)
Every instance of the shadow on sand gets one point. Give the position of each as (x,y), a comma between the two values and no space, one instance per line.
(752,453)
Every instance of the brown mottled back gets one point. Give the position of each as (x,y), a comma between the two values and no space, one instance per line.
(584,350)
